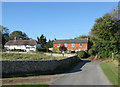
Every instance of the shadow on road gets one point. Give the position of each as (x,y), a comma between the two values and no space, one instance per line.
(78,67)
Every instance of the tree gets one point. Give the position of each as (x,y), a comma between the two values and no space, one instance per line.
(42,40)
(104,35)
(62,48)
(49,44)
(19,35)
(4,33)
(82,36)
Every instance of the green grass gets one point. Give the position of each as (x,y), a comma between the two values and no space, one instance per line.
(26,85)
(111,71)
(37,56)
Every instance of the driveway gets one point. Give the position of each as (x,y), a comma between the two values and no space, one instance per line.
(85,73)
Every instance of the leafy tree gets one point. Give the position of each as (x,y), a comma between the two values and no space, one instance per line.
(42,40)
(104,35)
(82,36)
(4,33)
(62,48)
(19,35)
(49,44)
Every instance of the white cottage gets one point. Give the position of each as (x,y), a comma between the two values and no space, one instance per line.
(24,45)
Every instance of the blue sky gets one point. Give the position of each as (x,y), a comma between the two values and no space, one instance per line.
(61,20)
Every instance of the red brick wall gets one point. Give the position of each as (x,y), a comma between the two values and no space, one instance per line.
(69,46)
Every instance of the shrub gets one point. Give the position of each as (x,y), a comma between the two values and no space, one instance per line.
(42,49)
(36,50)
(81,54)
(62,48)
(56,50)
(3,50)
(91,52)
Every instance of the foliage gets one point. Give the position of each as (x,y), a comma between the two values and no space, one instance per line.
(36,50)
(62,48)
(19,35)
(82,36)
(4,33)
(49,44)
(17,50)
(81,54)
(43,49)
(91,52)
(56,50)
(42,40)
(104,35)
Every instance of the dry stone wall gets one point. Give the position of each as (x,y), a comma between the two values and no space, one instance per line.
(37,66)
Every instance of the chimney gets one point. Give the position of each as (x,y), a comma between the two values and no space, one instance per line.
(15,38)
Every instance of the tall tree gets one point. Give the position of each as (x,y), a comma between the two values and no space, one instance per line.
(4,33)
(82,36)
(104,35)
(42,40)
(49,44)
(19,35)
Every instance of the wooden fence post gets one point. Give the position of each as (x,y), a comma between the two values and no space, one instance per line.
(112,56)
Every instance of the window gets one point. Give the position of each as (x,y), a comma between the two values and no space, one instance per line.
(73,44)
(58,45)
(65,45)
(80,44)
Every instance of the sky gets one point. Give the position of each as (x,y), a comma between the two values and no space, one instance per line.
(61,20)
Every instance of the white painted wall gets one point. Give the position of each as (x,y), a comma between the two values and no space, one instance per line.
(27,48)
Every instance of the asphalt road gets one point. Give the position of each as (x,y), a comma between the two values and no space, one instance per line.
(85,73)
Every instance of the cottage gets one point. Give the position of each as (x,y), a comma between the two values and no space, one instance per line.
(72,44)
(24,45)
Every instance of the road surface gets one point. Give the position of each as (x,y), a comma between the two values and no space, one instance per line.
(85,73)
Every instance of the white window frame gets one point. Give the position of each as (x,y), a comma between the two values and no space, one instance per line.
(58,45)
(65,44)
(73,44)
(80,44)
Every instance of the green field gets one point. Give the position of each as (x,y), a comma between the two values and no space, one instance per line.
(37,56)
(111,71)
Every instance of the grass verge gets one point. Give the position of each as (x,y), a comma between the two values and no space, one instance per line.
(111,71)
(26,85)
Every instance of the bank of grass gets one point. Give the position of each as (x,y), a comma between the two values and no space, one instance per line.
(111,71)
(26,85)
(37,56)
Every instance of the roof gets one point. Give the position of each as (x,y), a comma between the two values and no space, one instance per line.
(21,42)
(81,40)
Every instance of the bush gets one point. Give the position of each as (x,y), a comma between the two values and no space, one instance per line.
(91,52)
(62,48)
(3,50)
(43,49)
(81,54)
(56,50)
(36,50)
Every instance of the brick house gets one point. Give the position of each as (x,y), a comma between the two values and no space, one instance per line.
(72,44)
